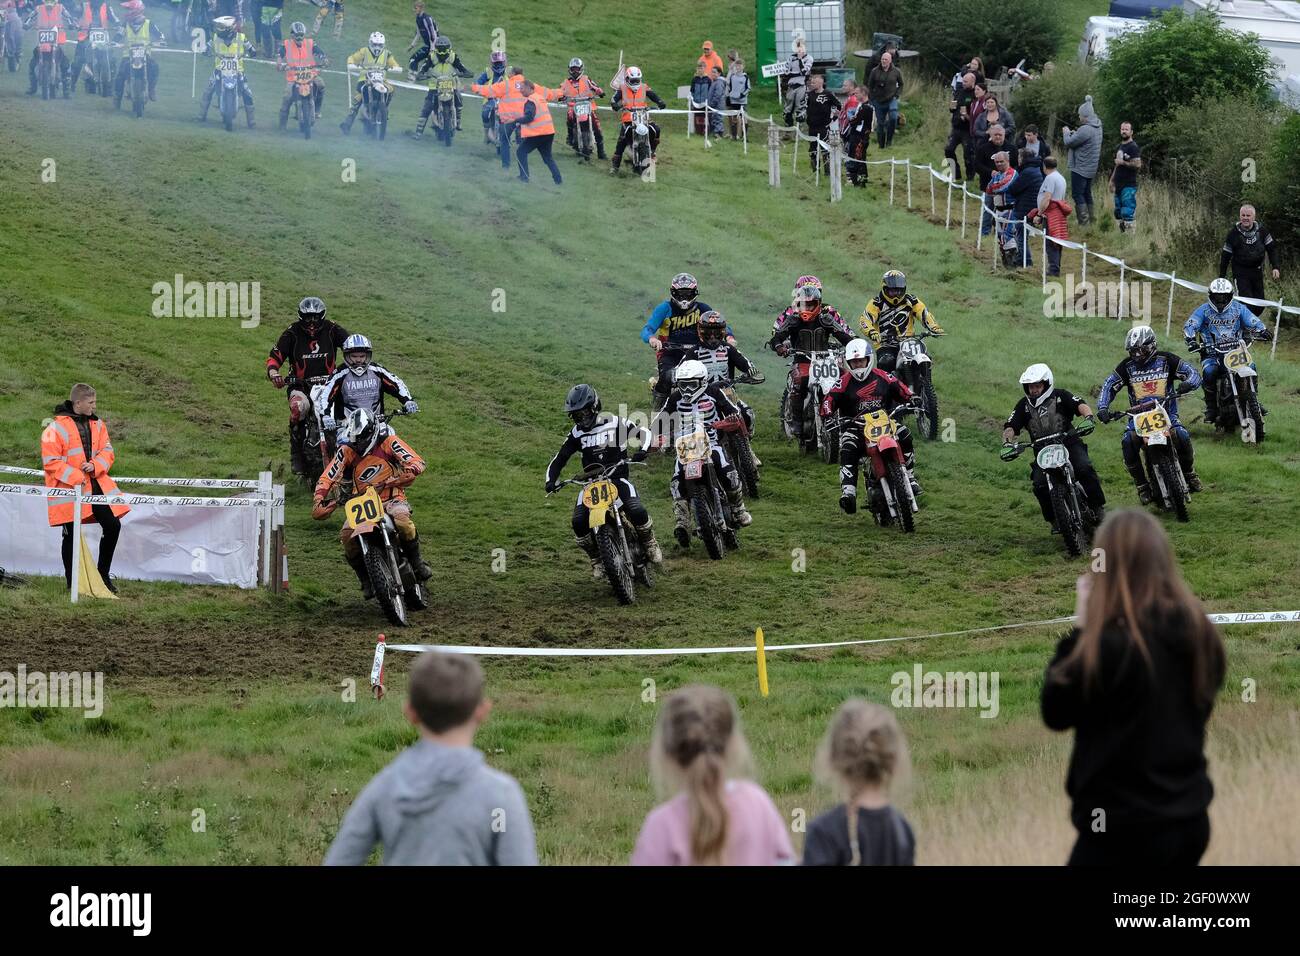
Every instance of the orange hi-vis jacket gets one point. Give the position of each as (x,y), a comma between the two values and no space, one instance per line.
(634,98)
(542,123)
(298,57)
(391,465)
(48,18)
(62,456)
(510,106)
(584,87)
(88,19)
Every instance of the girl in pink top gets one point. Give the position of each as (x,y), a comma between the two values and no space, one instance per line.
(716,818)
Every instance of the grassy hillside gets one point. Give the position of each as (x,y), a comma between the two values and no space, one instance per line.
(230,701)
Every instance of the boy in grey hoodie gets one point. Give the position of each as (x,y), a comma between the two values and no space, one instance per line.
(1084,145)
(438,803)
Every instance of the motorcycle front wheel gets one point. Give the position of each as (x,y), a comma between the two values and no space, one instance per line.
(705,521)
(388,593)
(617,568)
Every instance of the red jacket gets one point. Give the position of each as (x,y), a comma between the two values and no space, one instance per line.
(1055,214)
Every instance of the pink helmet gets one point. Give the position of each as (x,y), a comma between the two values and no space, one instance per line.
(133,7)
(498,56)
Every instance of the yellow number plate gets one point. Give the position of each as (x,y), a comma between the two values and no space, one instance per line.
(599,494)
(1149,423)
(1237,358)
(364,509)
(877,425)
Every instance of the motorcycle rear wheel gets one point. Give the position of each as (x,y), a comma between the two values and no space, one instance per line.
(743,454)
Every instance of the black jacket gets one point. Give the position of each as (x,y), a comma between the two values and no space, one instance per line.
(1246,250)
(1139,746)
(821,109)
(985,150)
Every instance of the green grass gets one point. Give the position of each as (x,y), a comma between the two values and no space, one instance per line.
(229,701)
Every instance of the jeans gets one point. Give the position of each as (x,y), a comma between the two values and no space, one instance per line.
(886,112)
(542,144)
(1081,189)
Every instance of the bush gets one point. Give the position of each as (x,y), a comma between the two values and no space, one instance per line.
(1053,100)
(1178,60)
(947,33)
(1279,186)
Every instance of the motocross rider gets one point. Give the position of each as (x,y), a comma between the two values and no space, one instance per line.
(445,63)
(494,74)
(137,31)
(309,346)
(863,388)
(300,52)
(800,327)
(229,43)
(578,86)
(632,95)
(721,358)
(373,56)
(1219,321)
(674,322)
(1047,410)
(602,440)
(1149,374)
(51,15)
(365,447)
(694,402)
(358,384)
(93,16)
(894,314)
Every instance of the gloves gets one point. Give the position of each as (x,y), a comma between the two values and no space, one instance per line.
(783,349)
(1105,415)
(1192,346)
(320,510)
(276,378)
(656,343)
(328,423)
(641,455)
(411,407)
(552,487)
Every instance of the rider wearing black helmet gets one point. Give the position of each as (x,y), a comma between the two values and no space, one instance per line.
(603,443)
(444,66)
(310,346)
(576,87)
(891,315)
(300,52)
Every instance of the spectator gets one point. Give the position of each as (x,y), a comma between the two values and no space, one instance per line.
(998,205)
(992,115)
(1023,195)
(438,803)
(975,66)
(855,129)
(75,450)
(737,91)
(1037,146)
(710,59)
(1247,244)
(884,84)
(717,816)
(717,102)
(700,86)
(862,754)
(1084,145)
(1136,679)
(800,66)
(1124,177)
(977,106)
(1054,210)
(889,47)
(985,150)
(426,34)
(963,99)
(822,110)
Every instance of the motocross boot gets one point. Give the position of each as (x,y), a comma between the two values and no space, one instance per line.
(1140,481)
(600,145)
(916,485)
(296,463)
(849,498)
(411,551)
(682,523)
(419,127)
(153,90)
(646,535)
(203,104)
(1211,405)
(458,126)
(736,499)
(346,125)
(1187,461)
(284,117)
(248,114)
(588,545)
(358,564)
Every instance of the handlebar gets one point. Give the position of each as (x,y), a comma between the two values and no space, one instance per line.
(594,473)
(1011,450)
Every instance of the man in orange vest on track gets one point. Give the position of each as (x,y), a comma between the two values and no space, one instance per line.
(632,95)
(578,86)
(537,129)
(50,15)
(75,450)
(510,107)
(300,52)
(94,16)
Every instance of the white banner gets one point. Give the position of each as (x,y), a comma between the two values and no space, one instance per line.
(158,543)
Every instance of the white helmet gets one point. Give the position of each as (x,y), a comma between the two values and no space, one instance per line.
(357,343)
(856,350)
(361,431)
(224,24)
(691,379)
(377,43)
(1036,373)
(633,75)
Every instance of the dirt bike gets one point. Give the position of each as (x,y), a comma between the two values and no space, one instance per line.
(304,99)
(1075,518)
(889,491)
(913,369)
(137,88)
(702,490)
(642,154)
(50,63)
(444,110)
(102,66)
(312,447)
(396,587)
(229,90)
(1238,391)
(616,539)
(584,135)
(1154,430)
(735,434)
(376,94)
(823,375)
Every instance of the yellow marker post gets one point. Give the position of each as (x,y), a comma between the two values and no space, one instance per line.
(762,662)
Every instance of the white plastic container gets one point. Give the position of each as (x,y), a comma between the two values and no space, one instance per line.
(821,25)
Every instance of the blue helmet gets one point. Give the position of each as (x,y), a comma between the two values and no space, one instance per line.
(357,364)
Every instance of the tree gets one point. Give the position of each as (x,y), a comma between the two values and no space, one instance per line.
(1175,61)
